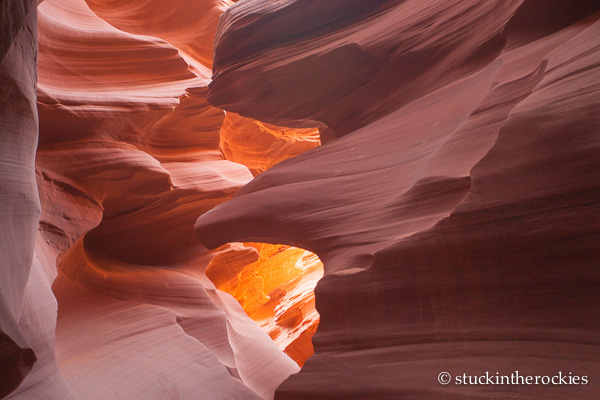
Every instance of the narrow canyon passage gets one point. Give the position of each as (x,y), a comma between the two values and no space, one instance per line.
(299,199)
(130,153)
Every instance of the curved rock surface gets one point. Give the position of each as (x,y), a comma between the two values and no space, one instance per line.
(457,217)
(128,156)
(189,26)
(346,64)
(275,286)
(259,145)
(20,207)
(440,158)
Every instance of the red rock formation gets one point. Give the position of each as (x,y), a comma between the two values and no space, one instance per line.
(127,158)
(189,26)
(19,205)
(453,203)
(347,68)
(457,224)
(275,286)
(259,145)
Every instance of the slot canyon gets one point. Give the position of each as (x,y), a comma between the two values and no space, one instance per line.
(299,199)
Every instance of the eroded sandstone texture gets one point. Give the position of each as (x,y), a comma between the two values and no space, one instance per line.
(440,157)
(458,216)
(128,157)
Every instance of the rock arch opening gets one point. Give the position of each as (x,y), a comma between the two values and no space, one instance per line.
(275,286)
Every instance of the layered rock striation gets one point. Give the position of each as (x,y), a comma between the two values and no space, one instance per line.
(457,215)
(20,207)
(128,156)
(434,163)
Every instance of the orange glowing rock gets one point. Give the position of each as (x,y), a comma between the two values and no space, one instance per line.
(127,158)
(455,229)
(450,203)
(188,25)
(259,145)
(276,290)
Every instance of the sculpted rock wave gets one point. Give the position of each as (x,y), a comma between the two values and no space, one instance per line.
(128,156)
(453,217)
(434,162)
(347,64)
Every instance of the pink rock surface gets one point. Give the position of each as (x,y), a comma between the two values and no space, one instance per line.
(127,158)
(189,26)
(453,201)
(346,64)
(20,207)
(457,232)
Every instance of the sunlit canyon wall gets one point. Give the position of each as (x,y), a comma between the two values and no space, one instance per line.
(145,232)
